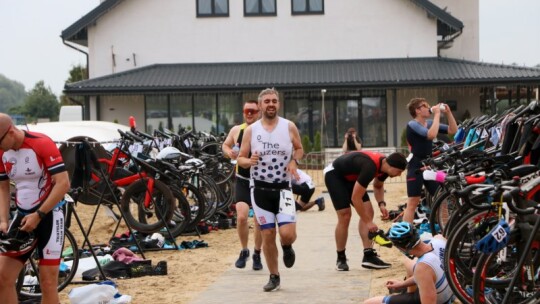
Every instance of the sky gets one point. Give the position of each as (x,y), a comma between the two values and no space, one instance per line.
(31,48)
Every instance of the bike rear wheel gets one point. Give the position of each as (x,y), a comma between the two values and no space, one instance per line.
(28,281)
(143,216)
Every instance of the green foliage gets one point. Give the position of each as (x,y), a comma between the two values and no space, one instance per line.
(317,142)
(41,103)
(77,73)
(404,138)
(12,95)
(306,144)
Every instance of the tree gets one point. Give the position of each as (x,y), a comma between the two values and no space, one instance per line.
(41,103)
(77,73)
(12,95)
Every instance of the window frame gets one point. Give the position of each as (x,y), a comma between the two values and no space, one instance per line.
(213,13)
(260,13)
(308,11)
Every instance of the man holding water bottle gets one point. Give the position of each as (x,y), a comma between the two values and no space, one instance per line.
(231,147)
(420,134)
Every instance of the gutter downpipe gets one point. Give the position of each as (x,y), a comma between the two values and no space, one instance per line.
(86,106)
(444,43)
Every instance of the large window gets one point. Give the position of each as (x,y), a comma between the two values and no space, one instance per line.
(302,7)
(204,112)
(157,112)
(212,8)
(181,112)
(374,121)
(260,8)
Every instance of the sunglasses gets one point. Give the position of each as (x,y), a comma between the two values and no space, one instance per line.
(4,136)
(423,106)
(250,111)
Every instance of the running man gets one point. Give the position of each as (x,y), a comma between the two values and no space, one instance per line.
(275,146)
(243,196)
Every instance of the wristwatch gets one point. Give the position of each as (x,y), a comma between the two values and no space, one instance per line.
(41,214)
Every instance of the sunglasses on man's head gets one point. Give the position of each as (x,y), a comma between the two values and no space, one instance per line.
(250,111)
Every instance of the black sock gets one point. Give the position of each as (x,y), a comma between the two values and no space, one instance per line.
(341,254)
(256,251)
(368,250)
(285,247)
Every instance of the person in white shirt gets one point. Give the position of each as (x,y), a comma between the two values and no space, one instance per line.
(305,188)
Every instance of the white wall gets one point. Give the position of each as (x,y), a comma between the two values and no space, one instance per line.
(467,45)
(121,107)
(168,31)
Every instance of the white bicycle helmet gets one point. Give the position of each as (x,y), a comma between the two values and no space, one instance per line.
(169,153)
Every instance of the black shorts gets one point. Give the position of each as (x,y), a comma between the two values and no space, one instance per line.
(267,195)
(403,298)
(340,190)
(304,191)
(243,194)
(415,180)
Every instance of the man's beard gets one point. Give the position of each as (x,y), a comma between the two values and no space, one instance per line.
(270,115)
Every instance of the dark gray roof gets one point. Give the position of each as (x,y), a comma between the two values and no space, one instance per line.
(369,73)
(78,31)
(446,23)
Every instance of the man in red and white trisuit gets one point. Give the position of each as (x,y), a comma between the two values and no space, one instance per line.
(34,163)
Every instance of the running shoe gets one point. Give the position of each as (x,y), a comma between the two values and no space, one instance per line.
(242,259)
(320,202)
(288,256)
(372,261)
(257,265)
(341,265)
(273,283)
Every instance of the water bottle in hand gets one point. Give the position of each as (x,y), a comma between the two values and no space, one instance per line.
(235,149)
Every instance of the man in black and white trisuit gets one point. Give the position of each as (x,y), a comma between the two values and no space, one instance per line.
(275,146)
(34,163)
(242,191)
(347,179)
(420,134)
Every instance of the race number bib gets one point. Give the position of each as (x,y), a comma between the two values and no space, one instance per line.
(286,202)
(499,234)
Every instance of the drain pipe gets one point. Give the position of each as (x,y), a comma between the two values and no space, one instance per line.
(86,106)
(444,43)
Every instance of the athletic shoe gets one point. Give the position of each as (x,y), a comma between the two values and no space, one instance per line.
(379,238)
(320,202)
(288,257)
(341,265)
(242,259)
(273,283)
(372,261)
(257,265)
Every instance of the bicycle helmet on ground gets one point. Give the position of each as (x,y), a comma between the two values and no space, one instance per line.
(403,235)
(17,242)
(496,239)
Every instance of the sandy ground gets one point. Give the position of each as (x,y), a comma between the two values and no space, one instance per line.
(191,271)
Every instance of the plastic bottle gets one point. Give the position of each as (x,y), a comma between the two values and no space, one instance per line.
(235,149)
(441,107)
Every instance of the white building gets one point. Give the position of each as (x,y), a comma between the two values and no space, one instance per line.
(193,62)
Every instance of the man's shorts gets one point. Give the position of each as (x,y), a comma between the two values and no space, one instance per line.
(243,194)
(340,190)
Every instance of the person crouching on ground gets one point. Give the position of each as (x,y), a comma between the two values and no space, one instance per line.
(305,188)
